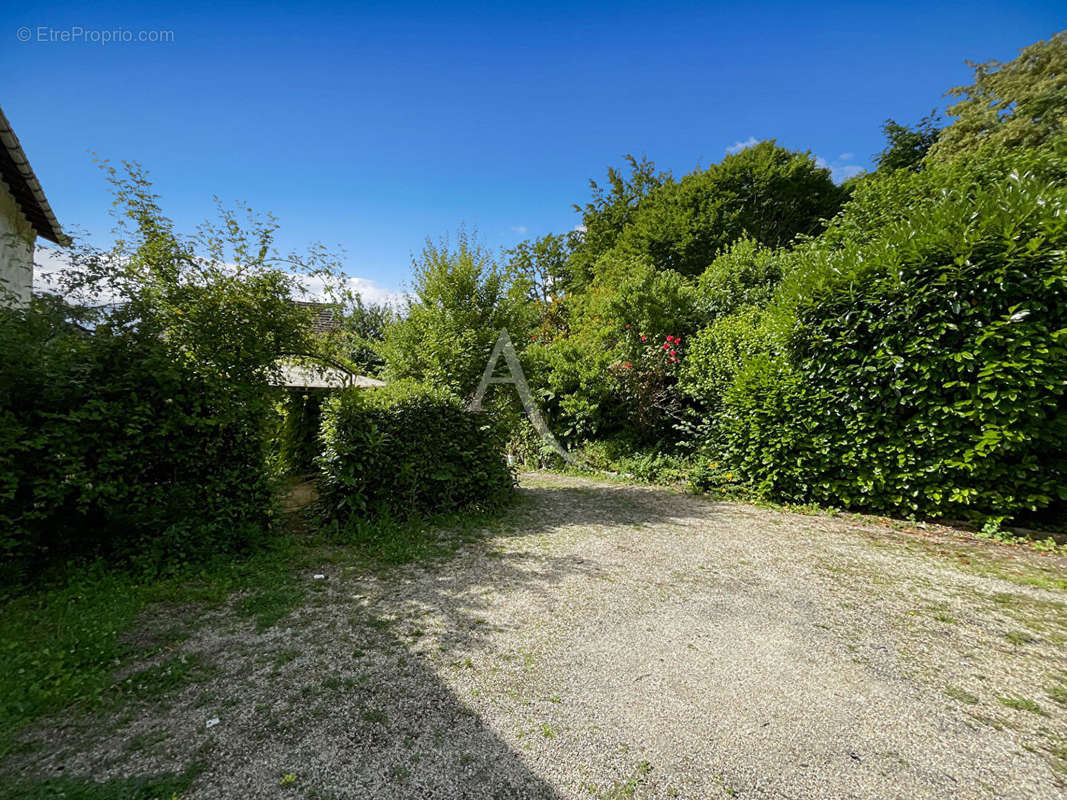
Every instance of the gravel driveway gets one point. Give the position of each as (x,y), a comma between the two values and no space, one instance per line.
(622,641)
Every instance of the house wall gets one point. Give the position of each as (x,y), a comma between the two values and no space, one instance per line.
(16,250)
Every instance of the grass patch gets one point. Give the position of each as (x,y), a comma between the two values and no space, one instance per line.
(1018,638)
(1058,692)
(962,695)
(157,787)
(63,641)
(1021,704)
(156,682)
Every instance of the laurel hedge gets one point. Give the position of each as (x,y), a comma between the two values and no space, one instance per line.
(920,367)
(407,449)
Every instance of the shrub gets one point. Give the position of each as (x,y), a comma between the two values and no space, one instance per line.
(408,449)
(717,354)
(745,274)
(111,447)
(926,366)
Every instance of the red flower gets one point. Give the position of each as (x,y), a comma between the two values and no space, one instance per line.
(666,347)
(670,338)
(673,354)
(627,325)
(644,338)
(627,365)
(677,340)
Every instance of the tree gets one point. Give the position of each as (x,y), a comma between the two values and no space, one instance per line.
(1021,103)
(363,328)
(765,192)
(544,264)
(608,213)
(907,147)
(220,300)
(461,298)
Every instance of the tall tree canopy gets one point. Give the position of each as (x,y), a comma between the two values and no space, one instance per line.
(765,192)
(460,298)
(906,147)
(1021,103)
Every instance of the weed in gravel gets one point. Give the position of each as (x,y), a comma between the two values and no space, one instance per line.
(1021,704)
(1058,691)
(144,742)
(1018,638)
(962,695)
(374,716)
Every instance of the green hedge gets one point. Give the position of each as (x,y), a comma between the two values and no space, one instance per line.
(108,446)
(925,371)
(405,450)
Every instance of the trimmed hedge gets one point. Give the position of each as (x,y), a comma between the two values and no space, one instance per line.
(406,449)
(927,371)
(110,447)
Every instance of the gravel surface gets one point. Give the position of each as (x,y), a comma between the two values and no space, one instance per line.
(621,641)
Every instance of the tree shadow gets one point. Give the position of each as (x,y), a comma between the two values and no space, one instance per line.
(348,696)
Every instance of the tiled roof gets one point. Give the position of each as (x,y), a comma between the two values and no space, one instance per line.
(325,318)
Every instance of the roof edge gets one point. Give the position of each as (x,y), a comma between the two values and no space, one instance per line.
(50,229)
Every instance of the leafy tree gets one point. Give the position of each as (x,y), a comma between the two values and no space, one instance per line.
(544,265)
(907,147)
(364,326)
(1021,103)
(461,298)
(765,192)
(221,299)
(608,213)
(139,430)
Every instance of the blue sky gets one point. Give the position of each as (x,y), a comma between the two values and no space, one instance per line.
(373,125)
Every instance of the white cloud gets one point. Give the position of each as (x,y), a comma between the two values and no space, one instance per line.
(846,157)
(50,263)
(839,172)
(519,229)
(737,147)
(369,290)
(580,228)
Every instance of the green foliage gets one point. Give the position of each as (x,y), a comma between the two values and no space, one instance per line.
(907,147)
(407,450)
(462,298)
(156,787)
(1018,104)
(140,431)
(925,369)
(745,274)
(607,215)
(609,371)
(363,327)
(113,447)
(296,441)
(765,192)
(718,353)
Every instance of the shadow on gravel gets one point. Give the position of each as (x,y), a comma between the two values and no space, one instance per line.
(343,697)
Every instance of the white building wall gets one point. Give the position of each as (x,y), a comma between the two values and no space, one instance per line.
(16,250)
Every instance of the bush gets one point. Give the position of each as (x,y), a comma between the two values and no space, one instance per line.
(405,450)
(926,366)
(111,447)
(745,274)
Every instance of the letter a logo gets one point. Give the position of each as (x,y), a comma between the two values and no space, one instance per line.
(504,346)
